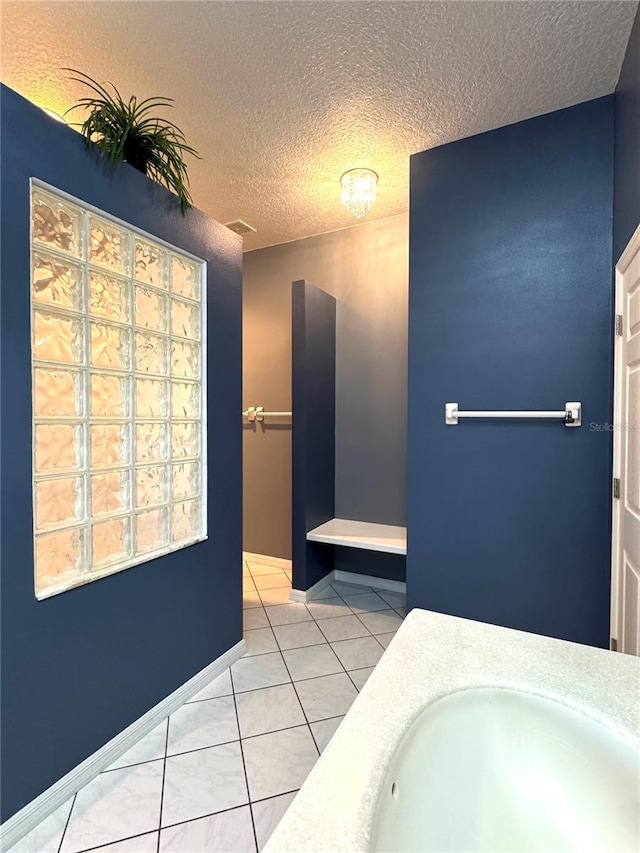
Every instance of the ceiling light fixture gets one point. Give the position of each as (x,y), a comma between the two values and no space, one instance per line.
(359,190)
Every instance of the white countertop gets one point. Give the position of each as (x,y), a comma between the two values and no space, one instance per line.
(361,534)
(431,656)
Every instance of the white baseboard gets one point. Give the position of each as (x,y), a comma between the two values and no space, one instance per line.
(23,821)
(266,560)
(346,577)
(305,595)
(370,580)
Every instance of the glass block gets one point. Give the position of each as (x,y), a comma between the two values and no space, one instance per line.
(56,282)
(150,264)
(185,277)
(185,319)
(58,447)
(185,360)
(185,399)
(109,396)
(57,338)
(59,502)
(151,442)
(151,354)
(152,530)
(151,486)
(57,224)
(57,393)
(60,556)
(185,440)
(110,346)
(151,398)
(109,245)
(187,521)
(150,309)
(185,480)
(110,493)
(111,542)
(110,445)
(109,297)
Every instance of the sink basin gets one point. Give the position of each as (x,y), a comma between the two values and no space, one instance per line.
(497,769)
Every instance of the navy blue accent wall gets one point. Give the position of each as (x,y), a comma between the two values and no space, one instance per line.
(510,307)
(313,394)
(81,666)
(375,563)
(626,209)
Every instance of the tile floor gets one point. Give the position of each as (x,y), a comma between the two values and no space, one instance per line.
(220,772)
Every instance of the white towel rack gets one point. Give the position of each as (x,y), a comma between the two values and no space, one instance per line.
(257,413)
(571,415)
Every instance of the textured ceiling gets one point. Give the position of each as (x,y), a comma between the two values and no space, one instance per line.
(280,98)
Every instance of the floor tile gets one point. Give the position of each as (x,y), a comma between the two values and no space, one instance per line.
(355,654)
(324,730)
(201,724)
(219,833)
(297,636)
(268,709)
(148,748)
(260,641)
(147,843)
(46,836)
(263,569)
(360,676)
(327,592)
(202,782)
(366,602)
(393,599)
(220,686)
(271,581)
(267,814)
(343,628)
(250,599)
(248,585)
(288,614)
(401,611)
(385,639)
(329,696)
(343,588)
(262,671)
(328,608)
(254,618)
(279,595)
(279,762)
(115,805)
(311,662)
(385,622)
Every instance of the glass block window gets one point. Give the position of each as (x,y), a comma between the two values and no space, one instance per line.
(119,463)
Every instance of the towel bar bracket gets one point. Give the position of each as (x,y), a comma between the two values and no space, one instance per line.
(571,415)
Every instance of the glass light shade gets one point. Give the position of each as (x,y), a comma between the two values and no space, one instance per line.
(359,190)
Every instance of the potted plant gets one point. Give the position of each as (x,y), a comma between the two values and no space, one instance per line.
(128,131)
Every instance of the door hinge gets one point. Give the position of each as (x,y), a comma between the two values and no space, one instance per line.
(616,488)
(614,644)
(619,325)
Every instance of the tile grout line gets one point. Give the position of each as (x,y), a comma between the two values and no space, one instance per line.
(244,763)
(304,713)
(164,771)
(66,824)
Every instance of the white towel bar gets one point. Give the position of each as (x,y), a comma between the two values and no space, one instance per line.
(257,413)
(571,415)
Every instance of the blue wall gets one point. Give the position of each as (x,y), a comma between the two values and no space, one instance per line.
(81,666)
(510,307)
(313,444)
(626,208)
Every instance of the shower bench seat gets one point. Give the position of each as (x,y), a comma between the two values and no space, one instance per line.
(366,535)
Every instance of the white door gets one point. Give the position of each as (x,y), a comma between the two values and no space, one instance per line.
(625,599)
